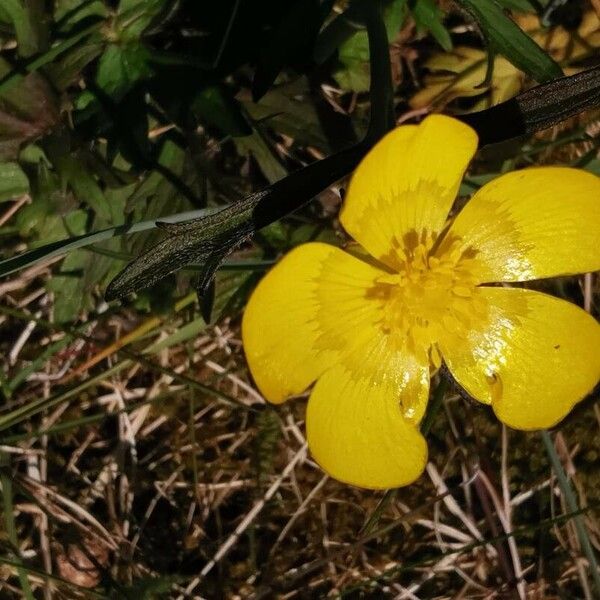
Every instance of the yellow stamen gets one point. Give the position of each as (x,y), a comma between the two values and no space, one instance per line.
(432,294)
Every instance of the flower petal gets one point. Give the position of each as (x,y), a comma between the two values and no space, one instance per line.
(407,183)
(530,224)
(357,433)
(306,311)
(533,357)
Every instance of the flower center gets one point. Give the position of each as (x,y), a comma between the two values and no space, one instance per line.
(433,293)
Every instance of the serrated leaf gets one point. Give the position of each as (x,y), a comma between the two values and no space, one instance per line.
(506,38)
(206,240)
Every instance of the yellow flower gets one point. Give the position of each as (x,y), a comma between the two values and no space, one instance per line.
(370,331)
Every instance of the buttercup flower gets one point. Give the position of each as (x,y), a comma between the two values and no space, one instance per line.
(370,327)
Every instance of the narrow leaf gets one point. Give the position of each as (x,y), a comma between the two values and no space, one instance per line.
(48,251)
(506,38)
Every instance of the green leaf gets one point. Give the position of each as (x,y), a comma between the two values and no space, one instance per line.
(428,17)
(121,67)
(338,31)
(505,37)
(135,16)
(13,182)
(70,295)
(66,70)
(28,109)
(30,25)
(354,72)
(215,106)
(12,78)
(64,246)
(289,109)
(269,162)
(85,187)
(519,5)
(69,13)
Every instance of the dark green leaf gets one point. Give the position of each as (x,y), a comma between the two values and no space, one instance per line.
(30,23)
(429,17)
(289,109)
(64,246)
(265,156)
(135,16)
(290,44)
(215,106)
(75,174)
(338,31)
(64,71)
(121,66)
(519,5)
(27,110)
(69,13)
(505,37)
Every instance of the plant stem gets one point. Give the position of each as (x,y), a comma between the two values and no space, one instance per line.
(9,521)
(572,505)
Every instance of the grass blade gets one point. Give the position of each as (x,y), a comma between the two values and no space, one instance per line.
(573,507)
(505,37)
(60,247)
(9,520)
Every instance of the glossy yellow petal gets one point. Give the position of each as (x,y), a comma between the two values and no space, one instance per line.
(530,224)
(356,431)
(406,184)
(533,357)
(306,311)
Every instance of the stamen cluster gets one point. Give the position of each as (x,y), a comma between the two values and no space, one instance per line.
(433,293)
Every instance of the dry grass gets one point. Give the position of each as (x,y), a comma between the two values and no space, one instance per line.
(161,471)
(142,463)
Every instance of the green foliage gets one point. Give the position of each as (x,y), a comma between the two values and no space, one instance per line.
(111,112)
(13,181)
(149,130)
(504,37)
(429,17)
(353,53)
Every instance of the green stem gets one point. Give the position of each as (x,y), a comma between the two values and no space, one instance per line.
(9,521)
(572,505)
